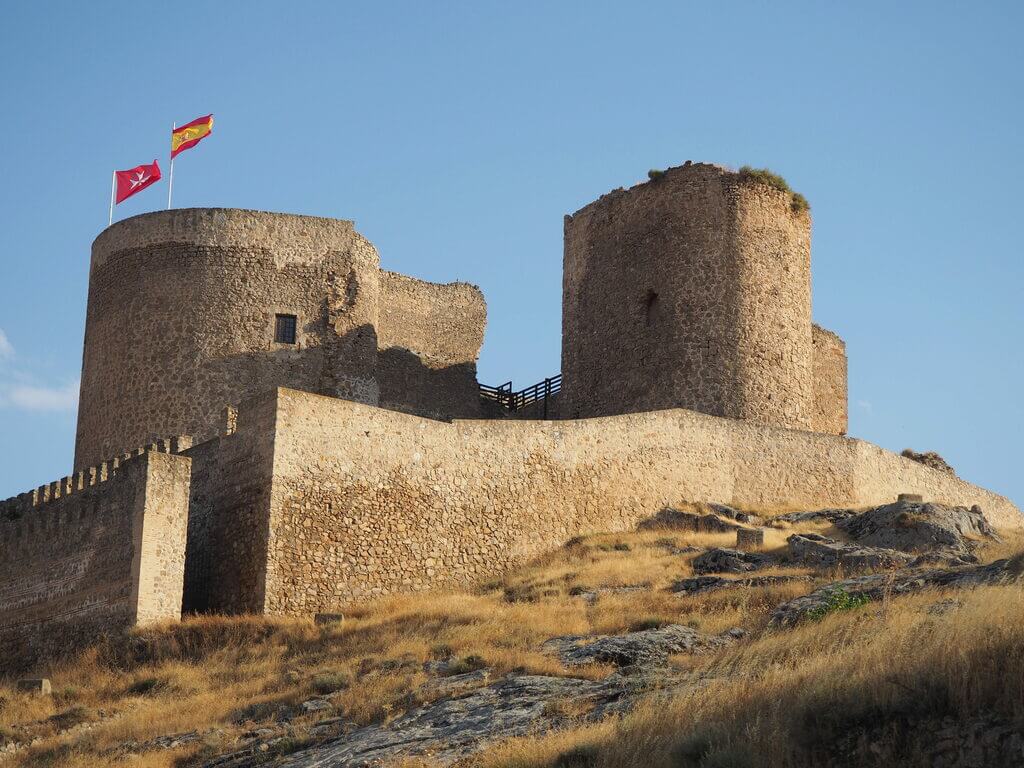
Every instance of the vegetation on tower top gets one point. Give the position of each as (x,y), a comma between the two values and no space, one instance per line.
(797,202)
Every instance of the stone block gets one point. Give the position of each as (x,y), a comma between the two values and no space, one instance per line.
(747,538)
(39,685)
(910,498)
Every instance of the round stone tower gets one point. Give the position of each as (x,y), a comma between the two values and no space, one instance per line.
(691,290)
(191,310)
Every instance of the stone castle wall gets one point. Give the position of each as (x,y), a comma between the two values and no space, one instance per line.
(366,501)
(181,313)
(830,410)
(429,339)
(689,291)
(90,554)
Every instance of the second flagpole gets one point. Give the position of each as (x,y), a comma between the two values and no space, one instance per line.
(170,181)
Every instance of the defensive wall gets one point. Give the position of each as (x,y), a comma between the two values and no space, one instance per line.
(354,501)
(92,553)
(693,290)
(182,314)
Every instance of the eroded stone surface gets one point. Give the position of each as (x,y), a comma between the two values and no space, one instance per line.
(919,527)
(821,552)
(722,560)
(907,581)
(651,646)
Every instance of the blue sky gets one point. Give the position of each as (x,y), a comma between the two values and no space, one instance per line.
(458,134)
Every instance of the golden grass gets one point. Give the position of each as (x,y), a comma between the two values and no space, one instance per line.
(223,676)
(778,699)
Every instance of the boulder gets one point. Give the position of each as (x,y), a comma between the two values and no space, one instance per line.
(929,459)
(648,647)
(721,560)
(919,527)
(701,584)
(821,552)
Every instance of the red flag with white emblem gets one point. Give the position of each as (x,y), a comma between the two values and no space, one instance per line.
(136,179)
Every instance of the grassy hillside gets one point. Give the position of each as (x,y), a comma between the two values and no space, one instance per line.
(855,681)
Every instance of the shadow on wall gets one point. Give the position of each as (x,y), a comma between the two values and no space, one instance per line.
(348,366)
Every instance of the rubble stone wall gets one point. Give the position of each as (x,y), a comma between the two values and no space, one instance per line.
(91,554)
(368,501)
(429,336)
(691,290)
(181,314)
(831,405)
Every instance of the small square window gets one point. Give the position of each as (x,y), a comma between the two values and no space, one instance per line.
(284,329)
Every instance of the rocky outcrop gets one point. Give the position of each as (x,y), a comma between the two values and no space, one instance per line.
(454,728)
(821,552)
(876,586)
(919,527)
(929,459)
(700,584)
(722,560)
(651,646)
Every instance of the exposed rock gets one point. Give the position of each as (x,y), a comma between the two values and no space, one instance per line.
(878,585)
(591,594)
(822,552)
(919,527)
(454,684)
(315,705)
(452,729)
(748,538)
(818,516)
(650,646)
(700,584)
(929,459)
(720,560)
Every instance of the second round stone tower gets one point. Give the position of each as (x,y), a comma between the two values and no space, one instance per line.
(692,290)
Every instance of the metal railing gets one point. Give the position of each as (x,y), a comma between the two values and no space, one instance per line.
(541,392)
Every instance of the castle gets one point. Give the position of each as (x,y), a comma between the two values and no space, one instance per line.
(271,423)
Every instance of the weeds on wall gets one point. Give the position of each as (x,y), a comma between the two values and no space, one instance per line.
(797,202)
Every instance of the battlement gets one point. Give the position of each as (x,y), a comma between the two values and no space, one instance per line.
(17,507)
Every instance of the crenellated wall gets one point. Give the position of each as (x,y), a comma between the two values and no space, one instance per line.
(93,553)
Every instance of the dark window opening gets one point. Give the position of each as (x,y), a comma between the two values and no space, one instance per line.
(284,329)
(650,307)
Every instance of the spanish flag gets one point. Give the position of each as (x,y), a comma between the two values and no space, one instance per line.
(190,134)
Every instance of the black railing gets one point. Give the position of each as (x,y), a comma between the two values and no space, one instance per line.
(541,392)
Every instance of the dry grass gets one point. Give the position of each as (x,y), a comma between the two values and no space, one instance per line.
(792,698)
(224,676)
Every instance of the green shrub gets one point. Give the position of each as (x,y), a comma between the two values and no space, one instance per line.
(838,599)
(655,174)
(329,682)
(797,202)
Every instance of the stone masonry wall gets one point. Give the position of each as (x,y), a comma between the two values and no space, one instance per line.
(429,337)
(830,388)
(181,313)
(693,291)
(368,502)
(229,509)
(94,553)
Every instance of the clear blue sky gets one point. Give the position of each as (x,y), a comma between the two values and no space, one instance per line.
(457,135)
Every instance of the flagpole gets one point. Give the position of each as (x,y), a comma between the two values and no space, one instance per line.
(113,178)
(170,181)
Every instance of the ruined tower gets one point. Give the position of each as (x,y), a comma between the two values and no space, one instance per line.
(692,290)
